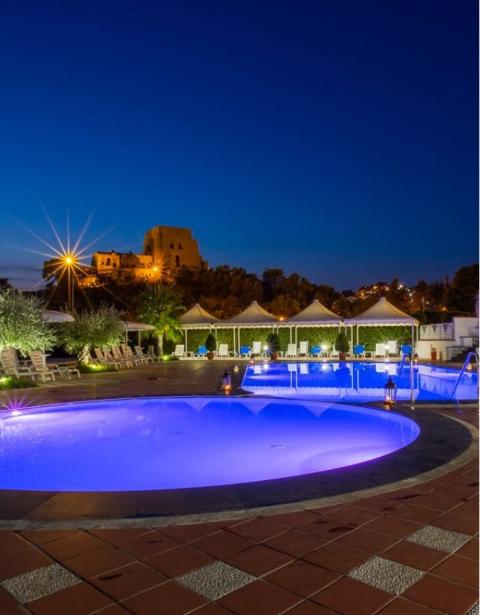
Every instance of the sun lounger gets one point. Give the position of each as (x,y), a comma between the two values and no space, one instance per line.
(303,349)
(223,352)
(291,350)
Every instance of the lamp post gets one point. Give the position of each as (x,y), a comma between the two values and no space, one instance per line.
(69,262)
(389,392)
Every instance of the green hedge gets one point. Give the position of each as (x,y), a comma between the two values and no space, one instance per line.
(316,336)
(224,336)
(284,335)
(260,334)
(196,338)
(369,336)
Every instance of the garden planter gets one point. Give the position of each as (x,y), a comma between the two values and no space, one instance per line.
(210,356)
(342,356)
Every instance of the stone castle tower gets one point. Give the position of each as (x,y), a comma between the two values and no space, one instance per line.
(173,248)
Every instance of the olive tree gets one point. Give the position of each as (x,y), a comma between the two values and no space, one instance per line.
(100,328)
(21,324)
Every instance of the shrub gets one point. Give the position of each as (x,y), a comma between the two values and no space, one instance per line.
(13,382)
(341,343)
(211,343)
(100,328)
(21,324)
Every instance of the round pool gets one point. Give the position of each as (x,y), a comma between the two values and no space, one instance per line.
(183,442)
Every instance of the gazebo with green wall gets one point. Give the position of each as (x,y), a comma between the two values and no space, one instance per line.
(196,324)
(316,324)
(252,325)
(379,319)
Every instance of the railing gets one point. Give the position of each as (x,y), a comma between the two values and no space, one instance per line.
(441,331)
(466,363)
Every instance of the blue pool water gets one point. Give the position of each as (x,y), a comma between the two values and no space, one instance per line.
(357,381)
(160,443)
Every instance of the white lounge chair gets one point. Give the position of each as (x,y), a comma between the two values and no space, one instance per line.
(380,350)
(40,366)
(303,349)
(256,348)
(291,350)
(392,348)
(223,352)
(11,365)
(142,356)
(179,351)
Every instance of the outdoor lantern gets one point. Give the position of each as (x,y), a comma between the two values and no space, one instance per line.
(415,358)
(252,361)
(236,369)
(226,382)
(389,390)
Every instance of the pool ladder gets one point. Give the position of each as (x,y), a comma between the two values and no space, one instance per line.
(466,363)
(398,376)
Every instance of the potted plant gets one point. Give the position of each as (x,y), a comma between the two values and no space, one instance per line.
(210,345)
(341,344)
(273,342)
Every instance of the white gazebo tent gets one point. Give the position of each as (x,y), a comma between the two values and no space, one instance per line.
(138,327)
(383,313)
(196,318)
(254,316)
(314,315)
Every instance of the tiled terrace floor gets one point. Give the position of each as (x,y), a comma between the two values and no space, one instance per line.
(407,552)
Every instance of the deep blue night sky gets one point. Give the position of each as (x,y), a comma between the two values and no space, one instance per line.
(333,138)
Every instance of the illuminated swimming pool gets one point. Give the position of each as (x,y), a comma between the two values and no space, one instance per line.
(358,381)
(180,442)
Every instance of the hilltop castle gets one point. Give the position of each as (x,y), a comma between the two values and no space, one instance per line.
(166,251)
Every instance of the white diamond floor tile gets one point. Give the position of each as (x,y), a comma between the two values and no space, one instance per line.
(391,577)
(439,539)
(473,610)
(39,583)
(215,580)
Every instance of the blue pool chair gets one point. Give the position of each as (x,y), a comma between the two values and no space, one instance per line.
(315,350)
(201,351)
(359,350)
(244,351)
(406,349)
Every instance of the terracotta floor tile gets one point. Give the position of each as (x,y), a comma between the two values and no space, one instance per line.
(294,519)
(302,578)
(470,549)
(350,597)
(309,608)
(393,526)
(259,530)
(167,599)
(40,537)
(222,544)
(70,546)
(416,513)
(8,606)
(147,544)
(259,598)
(364,540)
(98,562)
(352,515)
(11,543)
(187,533)
(295,542)
(414,555)
(458,523)
(131,579)
(337,557)
(443,595)
(378,503)
(114,535)
(440,499)
(211,609)
(401,606)
(77,600)
(460,569)
(259,560)
(178,561)
(21,562)
(113,609)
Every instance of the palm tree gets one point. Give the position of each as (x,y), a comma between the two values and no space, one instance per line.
(160,307)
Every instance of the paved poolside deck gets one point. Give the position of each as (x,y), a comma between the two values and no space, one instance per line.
(410,551)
